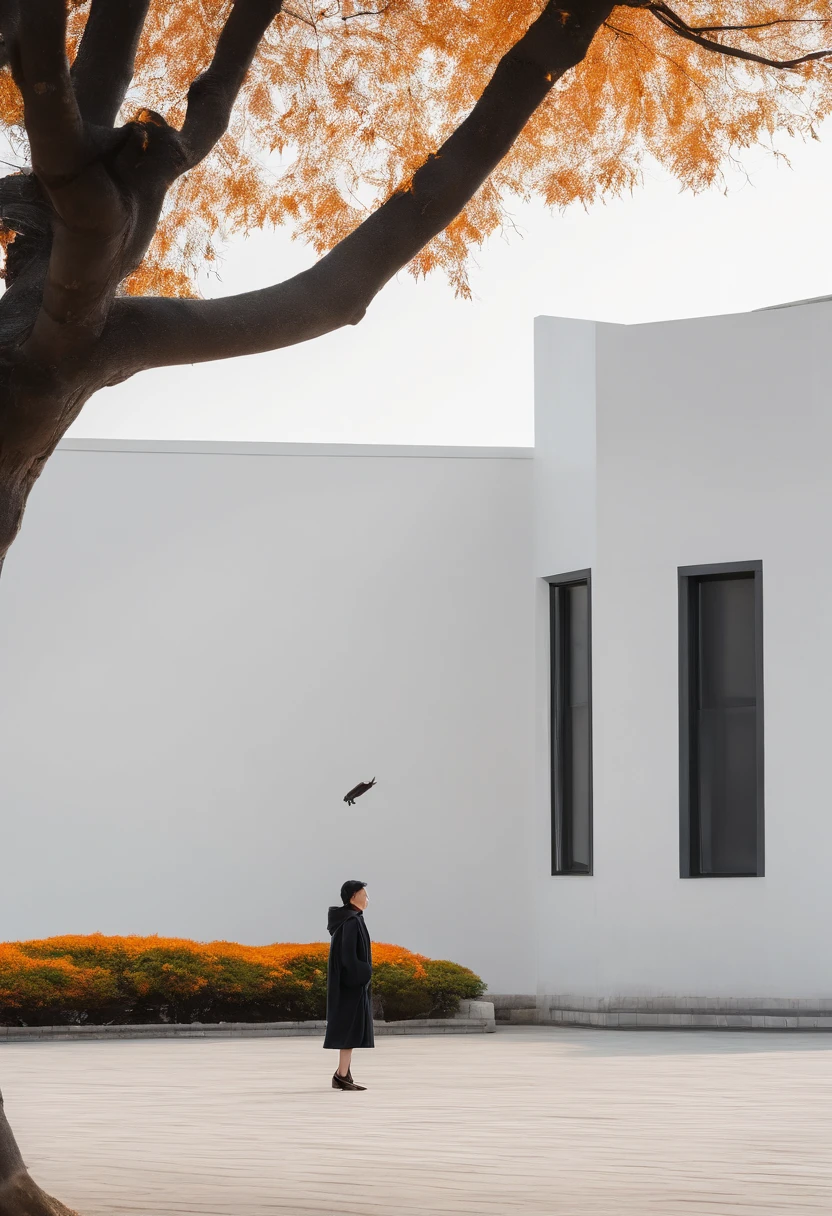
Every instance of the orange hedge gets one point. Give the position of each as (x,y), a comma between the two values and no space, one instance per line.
(99,980)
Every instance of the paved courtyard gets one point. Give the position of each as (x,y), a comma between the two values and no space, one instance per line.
(530,1120)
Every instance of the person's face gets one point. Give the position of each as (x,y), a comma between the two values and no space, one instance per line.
(360,899)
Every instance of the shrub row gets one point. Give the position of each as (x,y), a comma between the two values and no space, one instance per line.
(98,980)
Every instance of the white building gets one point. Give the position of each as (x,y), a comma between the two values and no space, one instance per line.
(202,647)
(660,448)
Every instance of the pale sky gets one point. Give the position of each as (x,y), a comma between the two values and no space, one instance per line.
(426,368)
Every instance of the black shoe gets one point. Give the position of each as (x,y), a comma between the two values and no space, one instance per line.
(345,1082)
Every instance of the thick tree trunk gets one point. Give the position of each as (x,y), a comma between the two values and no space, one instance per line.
(19,1194)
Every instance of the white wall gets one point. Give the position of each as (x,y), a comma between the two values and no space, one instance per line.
(203,647)
(714,441)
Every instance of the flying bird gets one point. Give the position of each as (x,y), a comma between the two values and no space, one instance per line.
(358,790)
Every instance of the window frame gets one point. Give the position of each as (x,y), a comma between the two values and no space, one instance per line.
(557,695)
(689,578)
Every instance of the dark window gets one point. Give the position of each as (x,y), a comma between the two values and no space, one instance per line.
(721,721)
(571,745)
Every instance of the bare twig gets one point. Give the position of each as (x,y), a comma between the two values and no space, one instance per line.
(652,50)
(367,12)
(290,12)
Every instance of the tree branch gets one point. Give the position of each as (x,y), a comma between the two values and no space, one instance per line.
(51,115)
(212,95)
(696,34)
(337,290)
(103,67)
(90,218)
(756,25)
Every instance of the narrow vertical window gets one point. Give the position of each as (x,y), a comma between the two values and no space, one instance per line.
(571,715)
(721,721)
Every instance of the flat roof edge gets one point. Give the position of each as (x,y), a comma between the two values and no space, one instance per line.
(219,448)
(795,303)
(697,317)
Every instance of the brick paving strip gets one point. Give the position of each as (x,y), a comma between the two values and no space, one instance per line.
(531,1120)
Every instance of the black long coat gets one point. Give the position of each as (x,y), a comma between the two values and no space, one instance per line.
(349,1002)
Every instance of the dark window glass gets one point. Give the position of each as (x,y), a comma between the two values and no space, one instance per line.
(721,736)
(571,727)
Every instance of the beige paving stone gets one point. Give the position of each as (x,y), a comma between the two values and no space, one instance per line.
(543,1121)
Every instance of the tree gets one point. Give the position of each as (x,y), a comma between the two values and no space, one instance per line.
(118,203)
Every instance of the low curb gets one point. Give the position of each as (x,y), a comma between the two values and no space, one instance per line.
(672,1020)
(235,1030)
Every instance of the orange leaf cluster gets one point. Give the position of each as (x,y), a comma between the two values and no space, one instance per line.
(89,973)
(345,101)
(91,970)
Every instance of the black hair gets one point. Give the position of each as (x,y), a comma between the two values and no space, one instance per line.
(351,888)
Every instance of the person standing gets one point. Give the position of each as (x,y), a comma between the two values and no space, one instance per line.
(349,1002)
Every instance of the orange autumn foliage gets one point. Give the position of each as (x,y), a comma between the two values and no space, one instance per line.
(97,977)
(346,98)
